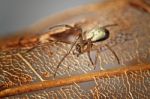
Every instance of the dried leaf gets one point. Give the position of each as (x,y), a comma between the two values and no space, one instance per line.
(29,74)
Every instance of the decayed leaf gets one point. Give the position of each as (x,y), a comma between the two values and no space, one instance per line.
(26,72)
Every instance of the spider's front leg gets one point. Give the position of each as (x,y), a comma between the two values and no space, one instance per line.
(113,52)
(74,43)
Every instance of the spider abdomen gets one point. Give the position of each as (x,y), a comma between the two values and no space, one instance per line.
(97,34)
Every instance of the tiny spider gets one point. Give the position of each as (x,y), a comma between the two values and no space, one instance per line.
(84,41)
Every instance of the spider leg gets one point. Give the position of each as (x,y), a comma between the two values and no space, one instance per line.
(96,57)
(89,46)
(83,35)
(66,55)
(38,43)
(62,25)
(81,39)
(98,53)
(113,53)
(109,25)
(88,53)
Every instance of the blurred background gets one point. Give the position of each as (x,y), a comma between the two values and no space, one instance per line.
(18,14)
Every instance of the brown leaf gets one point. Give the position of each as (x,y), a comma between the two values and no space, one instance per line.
(30,73)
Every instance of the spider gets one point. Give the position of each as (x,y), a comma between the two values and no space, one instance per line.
(83,41)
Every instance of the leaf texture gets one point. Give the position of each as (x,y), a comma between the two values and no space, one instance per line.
(20,68)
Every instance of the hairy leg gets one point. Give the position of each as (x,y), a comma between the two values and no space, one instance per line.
(66,55)
(62,25)
(113,53)
(89,46)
